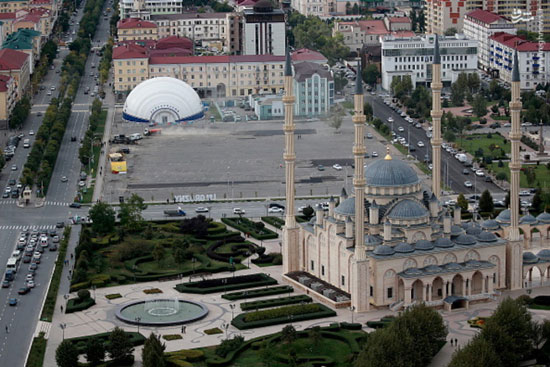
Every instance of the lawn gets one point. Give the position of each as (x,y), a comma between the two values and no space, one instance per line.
(491,146)
(542,174)
(110,260)
(37,352)
(91,170)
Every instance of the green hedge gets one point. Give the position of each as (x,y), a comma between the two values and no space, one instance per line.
(281,315)
(275,302)
(51,296)
(74,305)
(258,293)
(233,283)
(274,221)
(37,352)
(81,341)
(222,235)
(216,228)
(248,226)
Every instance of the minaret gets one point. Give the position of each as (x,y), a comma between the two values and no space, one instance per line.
(515,164)
(360,266)
(436,120)
(290,229)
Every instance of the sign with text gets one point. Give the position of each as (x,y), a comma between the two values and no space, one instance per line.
(192,198)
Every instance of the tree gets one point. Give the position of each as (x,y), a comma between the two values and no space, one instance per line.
(158,252)
(312,33)
(451,31)
(308,212)
(501,176)
(449,136)
(152,353)
(462,202)
(315,335)
(336,117)
(486,204)
(339,83)
(371,74)
(66,354)
(288,334)
(2,160)
(95,351)
(479,105)
(477,353)
(103,217)
(384,347)
(130,213)
(119,346)
(537,204)
(367,110)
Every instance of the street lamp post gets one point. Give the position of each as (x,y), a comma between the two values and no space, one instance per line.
(352,309)
(63,326)
(224,282)
(225,326)
(93,289)
(138,320)
(232,306)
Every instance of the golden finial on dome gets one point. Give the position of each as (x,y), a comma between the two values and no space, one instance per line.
(388,156)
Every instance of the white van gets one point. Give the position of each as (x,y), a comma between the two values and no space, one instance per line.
(12,264)
(136,136)
(44,241)
(26,143)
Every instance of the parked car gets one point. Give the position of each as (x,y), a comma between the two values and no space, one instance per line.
(468,184)
(480,173)
(238,211)
(75,205)
(275,210)
(337,167)
(320,167)
(465,171)
(524,193)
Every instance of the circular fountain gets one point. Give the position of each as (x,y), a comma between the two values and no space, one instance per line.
(161,312)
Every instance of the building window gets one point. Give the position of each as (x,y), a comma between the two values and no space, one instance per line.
(390,292)
(371,292)
(312,265)
(322,270)
(343,281)
(494,278)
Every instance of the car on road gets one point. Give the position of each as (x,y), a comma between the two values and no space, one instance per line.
(400,129)
(75,205)
(390,119)
(369,136)
(49,93)
(201,209)
(12,302)
(33,266)
(420,144)
(24,290)
(374,154)
(488,179)
(14,167)
(5,283)
(31,132)
(465,171)
(82,183)
(238,211)
(480,173)
(275,210)
(53,247)
(468,184)
(60,225)
(320,167)
(418,125)
(5,195)
(524,193)
(337,167)
(11,182)
(450,202)
(30,283)
(64,179)
(430,166)
(29,277)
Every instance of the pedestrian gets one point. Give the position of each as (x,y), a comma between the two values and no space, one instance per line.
(7,330)
(61,308)
(71,256)
(451,341)
(456,342)
(184,329)
(167,201)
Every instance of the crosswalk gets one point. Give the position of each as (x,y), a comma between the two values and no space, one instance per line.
(32,228)
(51,203)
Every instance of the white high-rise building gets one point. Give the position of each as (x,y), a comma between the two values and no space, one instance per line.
(143,9)
(263,30)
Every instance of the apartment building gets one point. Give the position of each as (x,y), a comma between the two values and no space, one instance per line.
(144,9)
(534,64)
(130,29)
(131,66)
(480,25)
(213,30)
(16,64)
(25,40)
(8,97)
(413,56)
(263,30)
(361,33)
(38,19)
(313,89)
(11,6)
(6,20)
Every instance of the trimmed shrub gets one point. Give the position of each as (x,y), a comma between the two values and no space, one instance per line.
(248,226)
(274,302)
(183,358)
(81,342)
(78,304)
(152,291)
(216,228)
(172,337)
(542,300)
(258,293)
(350,326)
(274,221)
(226,284)
(213,331)
(113,296)
(281,315)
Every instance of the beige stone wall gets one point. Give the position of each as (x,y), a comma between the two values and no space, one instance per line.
(129,73)
(131,34)
(13,6)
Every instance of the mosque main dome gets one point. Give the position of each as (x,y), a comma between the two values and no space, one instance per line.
(390,172)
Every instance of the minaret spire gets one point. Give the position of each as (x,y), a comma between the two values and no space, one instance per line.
(515,164)
(360,268)
(290,229)
(436,120)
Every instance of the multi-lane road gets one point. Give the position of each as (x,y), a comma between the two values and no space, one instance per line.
(18,324)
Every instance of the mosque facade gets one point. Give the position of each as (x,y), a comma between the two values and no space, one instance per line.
(393,243)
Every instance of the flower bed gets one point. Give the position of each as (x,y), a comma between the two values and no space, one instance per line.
(477,322)
(275,302)
(258,293)
(213,331)
(113,296)
(226,284)
(172,337)
(152,291)
(76,305)
(281,315)
(250,227)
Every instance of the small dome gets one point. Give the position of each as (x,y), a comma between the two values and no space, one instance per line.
(413,272)
(453,266)
(346,207)
(424,245)
(544,255)
(372,240)
(473,263)
(390,172)
(403,248)
(528,219)
(490,224)
(487,237)
(456,231)
(162,100)
(383,250)
(530,258)
(443,242)
(544,217)
(432,269)
(473,231)
(408,209)
(503,216)
(465,239)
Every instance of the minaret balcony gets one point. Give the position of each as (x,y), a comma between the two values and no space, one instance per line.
(536,65)
(536,57)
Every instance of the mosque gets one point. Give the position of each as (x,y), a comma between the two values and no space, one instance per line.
(392,243)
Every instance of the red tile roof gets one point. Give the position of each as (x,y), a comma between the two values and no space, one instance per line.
(174,41)
(12,59)
(171,52)
(304,54)
(247,2)
(400,19)
(34,18)
(4,81)
(517,43)
(484,16)
(129,23)
(129,51)
(7,16)
(148,44)
(214,59)
(35,2)
(403,34)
